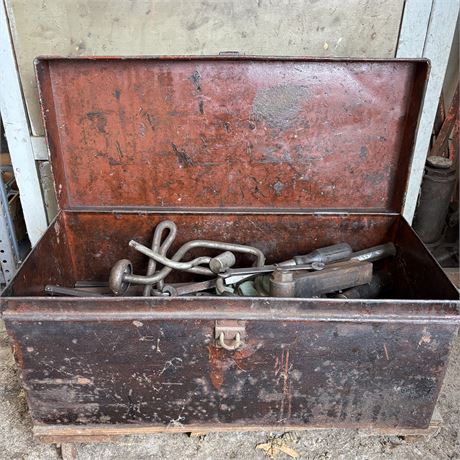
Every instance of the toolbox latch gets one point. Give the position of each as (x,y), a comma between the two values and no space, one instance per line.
(229,334)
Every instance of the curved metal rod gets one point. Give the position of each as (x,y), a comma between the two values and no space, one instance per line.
(160,248)
(168,262)
(165,271)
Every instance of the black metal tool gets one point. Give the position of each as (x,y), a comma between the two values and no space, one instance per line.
(236,275)
(372,290)
(52,289)
(326,255)
(188,288)
(375,253)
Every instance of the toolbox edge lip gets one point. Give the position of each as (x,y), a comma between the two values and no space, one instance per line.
(293,309)
(226,57)
(231,210)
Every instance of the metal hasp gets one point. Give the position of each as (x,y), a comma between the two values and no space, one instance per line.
(435,195)
(229,335)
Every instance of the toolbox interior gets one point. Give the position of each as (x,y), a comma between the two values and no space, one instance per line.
(85,245)
(285,154)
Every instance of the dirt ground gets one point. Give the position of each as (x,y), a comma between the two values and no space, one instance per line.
(16,440)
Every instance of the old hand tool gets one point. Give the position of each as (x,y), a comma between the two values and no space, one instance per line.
(334,277)
(162,248)
(52,290)
(168,262)
(375,253)
(236,275)
(188,288)
(222,262)
(372,290)
(326,255)
(121,275)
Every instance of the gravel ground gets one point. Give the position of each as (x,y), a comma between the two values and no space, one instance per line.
(16,440)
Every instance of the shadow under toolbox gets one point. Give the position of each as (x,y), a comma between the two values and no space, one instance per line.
(284,154)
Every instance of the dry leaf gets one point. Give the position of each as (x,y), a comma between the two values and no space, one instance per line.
(289,451)
(276,445)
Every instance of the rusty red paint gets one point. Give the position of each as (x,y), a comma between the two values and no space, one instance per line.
(230,134)
(440,146)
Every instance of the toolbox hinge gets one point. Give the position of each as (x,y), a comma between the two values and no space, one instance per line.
(229,53)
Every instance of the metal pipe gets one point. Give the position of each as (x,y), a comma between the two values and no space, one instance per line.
(435,195)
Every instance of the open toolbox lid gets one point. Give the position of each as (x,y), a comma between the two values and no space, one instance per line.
(231,134)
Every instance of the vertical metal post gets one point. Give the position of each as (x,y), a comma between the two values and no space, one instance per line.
(17,133)
(9,251)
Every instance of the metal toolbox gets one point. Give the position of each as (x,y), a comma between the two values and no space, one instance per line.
(285,154)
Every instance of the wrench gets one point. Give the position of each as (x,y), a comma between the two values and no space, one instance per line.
(189,288)
(53,290)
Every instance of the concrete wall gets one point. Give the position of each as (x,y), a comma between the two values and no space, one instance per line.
(270,27)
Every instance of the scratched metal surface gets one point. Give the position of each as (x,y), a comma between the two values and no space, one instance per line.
(169,372)
(219,133)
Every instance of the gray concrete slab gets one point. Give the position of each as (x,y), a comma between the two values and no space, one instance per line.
(16,440)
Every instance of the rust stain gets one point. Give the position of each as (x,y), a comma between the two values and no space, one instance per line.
(221,361)
(217,369)
(426,338)
(99,119)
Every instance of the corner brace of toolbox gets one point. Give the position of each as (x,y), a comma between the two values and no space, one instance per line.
(229,334)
